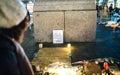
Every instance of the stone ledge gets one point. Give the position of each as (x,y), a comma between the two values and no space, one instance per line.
(64,5)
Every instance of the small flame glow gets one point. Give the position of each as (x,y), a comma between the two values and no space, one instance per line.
(68,45)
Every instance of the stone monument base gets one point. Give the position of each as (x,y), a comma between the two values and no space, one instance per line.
(77,19)
(47,56)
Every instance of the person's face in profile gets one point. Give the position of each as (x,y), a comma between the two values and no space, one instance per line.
(27,23)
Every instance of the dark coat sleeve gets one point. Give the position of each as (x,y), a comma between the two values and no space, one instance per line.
(8,59)
(8,63)
(24,63)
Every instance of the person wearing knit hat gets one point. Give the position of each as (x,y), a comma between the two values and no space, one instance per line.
(14,21)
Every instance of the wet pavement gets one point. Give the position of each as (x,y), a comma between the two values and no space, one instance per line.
(107,44)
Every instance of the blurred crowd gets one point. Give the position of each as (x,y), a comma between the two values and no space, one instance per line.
(105,13)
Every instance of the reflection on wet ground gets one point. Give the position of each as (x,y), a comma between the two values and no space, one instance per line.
(107,45)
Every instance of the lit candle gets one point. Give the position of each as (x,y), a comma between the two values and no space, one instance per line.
(68,45)
(41,45)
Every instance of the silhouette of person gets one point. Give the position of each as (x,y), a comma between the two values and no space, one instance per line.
(14,21)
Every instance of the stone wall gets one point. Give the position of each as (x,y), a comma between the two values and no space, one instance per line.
(76,18)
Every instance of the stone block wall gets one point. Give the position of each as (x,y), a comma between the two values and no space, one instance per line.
(45,23)
(77,18)
(80,26)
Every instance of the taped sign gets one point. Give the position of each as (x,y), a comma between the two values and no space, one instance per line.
(30,7)
(57,36)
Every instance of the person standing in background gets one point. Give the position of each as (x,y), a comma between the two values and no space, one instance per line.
(97,8)
(104,15)
(111,11)
(100,15)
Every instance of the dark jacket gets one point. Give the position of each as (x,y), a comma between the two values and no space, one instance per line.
(110,9)
(13,60)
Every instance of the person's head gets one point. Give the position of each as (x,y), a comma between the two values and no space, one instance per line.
(15,18)
(111,4)
(105,5)
(17,31)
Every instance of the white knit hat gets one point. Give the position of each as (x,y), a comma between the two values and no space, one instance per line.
(12,12)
